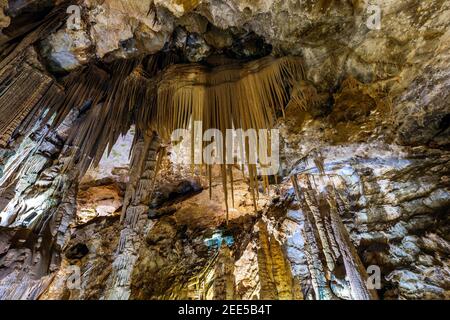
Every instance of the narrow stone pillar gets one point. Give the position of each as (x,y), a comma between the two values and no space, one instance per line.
(134,217)
(327,239)
(274,270)
(356,273)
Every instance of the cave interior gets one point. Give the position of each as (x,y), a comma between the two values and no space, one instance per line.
(224,149)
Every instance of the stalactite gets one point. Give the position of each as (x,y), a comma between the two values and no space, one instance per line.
(125,97)
(327,239)
(246,96)
(135,91)
(243,96)
(86,85)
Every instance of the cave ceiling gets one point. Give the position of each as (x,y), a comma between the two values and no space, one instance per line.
(354,95)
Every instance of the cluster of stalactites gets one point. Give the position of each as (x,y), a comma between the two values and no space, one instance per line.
(145,92)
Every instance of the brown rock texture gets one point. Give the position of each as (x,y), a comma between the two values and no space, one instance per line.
(96,204)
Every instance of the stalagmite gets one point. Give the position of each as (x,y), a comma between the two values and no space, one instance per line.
(268,287)
(314,253)
(44,224)
(38,171)
(318,222)
(134,216)
(274,270)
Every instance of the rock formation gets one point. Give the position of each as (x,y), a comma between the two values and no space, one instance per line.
(98,200)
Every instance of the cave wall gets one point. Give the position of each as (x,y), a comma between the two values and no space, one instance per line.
(375,127)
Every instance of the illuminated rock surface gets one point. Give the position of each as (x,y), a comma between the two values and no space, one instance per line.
(364,182)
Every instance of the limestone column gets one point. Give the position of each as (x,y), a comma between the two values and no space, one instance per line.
(134,217)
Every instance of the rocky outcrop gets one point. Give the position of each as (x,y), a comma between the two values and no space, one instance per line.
(4,19)
(359,209)
(84,275)
(39,214)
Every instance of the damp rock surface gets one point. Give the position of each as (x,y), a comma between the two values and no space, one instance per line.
(90,188)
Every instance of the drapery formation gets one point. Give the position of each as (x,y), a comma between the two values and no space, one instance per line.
(16,102)
(238,96)
(23,88)
(241,95)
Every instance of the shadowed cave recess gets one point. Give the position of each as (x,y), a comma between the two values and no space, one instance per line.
(98,202)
